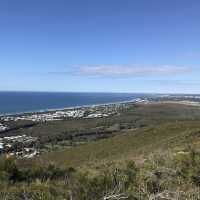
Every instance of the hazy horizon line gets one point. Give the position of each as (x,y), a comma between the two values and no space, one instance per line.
(100,92)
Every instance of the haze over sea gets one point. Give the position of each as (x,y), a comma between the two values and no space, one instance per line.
(20,102)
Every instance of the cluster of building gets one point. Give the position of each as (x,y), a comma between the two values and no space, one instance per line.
(96,115)
(139,100)
(102,111)
(87,112)
(3,127)
(49,116)
(21,146)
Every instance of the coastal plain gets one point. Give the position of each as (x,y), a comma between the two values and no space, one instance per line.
(131,129)
(135,150)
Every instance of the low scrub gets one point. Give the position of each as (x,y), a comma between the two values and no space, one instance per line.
(173,175)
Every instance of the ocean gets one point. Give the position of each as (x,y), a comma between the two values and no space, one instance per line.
(21,102)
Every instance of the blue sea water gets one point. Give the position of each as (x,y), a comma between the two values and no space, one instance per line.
(20,102)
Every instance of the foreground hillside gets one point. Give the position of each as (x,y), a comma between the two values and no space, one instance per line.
(161,175)
(153,153)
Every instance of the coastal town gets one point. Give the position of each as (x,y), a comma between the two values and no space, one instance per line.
(49,116)
(21,146)
(3,127)
(24,146)
(83,112)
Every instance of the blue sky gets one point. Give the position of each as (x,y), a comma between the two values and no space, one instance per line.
(100,45)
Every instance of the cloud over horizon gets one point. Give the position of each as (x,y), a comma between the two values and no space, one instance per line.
(126,70)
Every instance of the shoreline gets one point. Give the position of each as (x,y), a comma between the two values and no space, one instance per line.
(137,100)
(67,108)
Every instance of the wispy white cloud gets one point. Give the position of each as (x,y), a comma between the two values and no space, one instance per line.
(176,82)
(130,70)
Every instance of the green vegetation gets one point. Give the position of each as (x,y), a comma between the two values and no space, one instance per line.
(132,143)
(152,152)
(159,176)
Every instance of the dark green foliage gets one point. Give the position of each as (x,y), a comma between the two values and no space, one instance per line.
(13,173)
(10,170)
(159,175)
